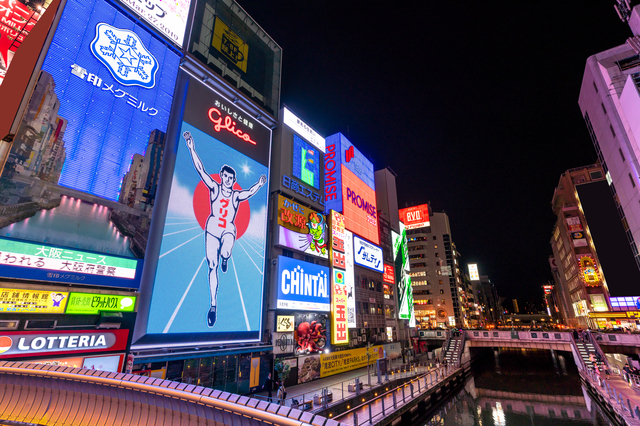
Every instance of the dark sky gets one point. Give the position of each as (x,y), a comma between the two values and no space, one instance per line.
(473,104)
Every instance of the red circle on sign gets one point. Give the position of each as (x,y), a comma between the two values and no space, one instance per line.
(5,343)
(202,207)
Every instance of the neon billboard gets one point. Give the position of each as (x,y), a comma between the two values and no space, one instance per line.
(415,217)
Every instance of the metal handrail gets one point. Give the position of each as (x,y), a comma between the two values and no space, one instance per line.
(120,382)
(617,400)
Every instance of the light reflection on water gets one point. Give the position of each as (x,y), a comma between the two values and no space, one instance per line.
(74,223)
(518,388)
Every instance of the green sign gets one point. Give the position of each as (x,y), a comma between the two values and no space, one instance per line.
(92,304)
(403,280)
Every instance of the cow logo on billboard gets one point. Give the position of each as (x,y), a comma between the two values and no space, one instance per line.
(125,56)
(220,234)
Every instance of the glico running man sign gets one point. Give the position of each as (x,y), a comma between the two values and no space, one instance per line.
(210,272)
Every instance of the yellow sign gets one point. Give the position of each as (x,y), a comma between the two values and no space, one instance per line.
(339,291)
(230,45)
(339,362)
(254,374)
(32,301)
(285,323)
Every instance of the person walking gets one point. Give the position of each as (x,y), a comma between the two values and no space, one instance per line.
(268,386)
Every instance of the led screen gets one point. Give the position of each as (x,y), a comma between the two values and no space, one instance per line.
(403,279)
(210,272)
(303,129)
(473,272)
(359,210)
(169,18)
(367,255)
(306,162)
(301,228)
(79,183)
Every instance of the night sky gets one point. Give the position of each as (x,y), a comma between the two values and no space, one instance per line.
(473,104)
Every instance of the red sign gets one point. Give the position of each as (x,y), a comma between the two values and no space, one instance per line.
(16,21)
(359,207)
(415,217)
(17,344)
(216,118)
(388,276)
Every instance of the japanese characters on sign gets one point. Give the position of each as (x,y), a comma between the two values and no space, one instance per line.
(403,279)
(301,128)
(388,275)
(32,301)
(16,22)
(168,18)
(291,184)
(285,323)
(473,272)
(302,285)
(93,304)
(230,44)
(367,254)
(339,290)
(302,228)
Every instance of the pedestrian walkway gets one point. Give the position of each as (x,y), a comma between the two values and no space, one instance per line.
(375,410)
(338,384)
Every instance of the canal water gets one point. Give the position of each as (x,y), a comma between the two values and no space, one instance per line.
(516,387)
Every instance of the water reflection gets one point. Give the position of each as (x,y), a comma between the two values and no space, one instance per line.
(520,387)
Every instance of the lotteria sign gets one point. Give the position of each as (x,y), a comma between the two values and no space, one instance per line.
(302,285)
(350,187)
(415,217)
(26,344)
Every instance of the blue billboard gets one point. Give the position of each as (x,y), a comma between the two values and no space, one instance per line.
(209,278)
(77,189)
(303,286)
(341,152)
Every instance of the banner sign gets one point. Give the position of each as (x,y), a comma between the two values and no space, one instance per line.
(55,342)
(93,304)
(415,217)
(301,128)
(169,18)
(311,332)
(388,275)
(339,362)
(339,291)
(349,279)
(403,280)
(32,301)
(285,323)
(367,254)
(301,228)
(302,285)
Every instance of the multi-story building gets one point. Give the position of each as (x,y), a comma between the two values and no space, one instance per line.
(609,101)
(435,274)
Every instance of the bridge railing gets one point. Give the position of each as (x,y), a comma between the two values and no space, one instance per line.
(48,394)
(526,336)
(617,339)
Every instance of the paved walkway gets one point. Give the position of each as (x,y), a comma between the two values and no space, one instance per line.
(370,413)
(622,397)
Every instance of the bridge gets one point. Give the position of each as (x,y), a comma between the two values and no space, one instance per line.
(48,394)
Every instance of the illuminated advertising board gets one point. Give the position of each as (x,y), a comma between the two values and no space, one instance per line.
(285,323)
(339,290)
(339,362)
(415,217)
(311,332)
(349,278)
(599,303)
(403,279)
(303,129)
(230,44)
(588,269)
(301,228)
(388,275)
(367,254)
(306,162)
(78,182)
(93,304)
(168,18)
(20,301)
(210,273)
(55,342)
(350,187)
(17,19)
(473,272)
(302,285)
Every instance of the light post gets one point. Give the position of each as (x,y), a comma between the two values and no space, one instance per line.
(368,357)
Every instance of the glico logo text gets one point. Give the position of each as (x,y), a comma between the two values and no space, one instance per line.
(370,209)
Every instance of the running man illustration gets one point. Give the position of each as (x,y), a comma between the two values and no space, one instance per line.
(220,229)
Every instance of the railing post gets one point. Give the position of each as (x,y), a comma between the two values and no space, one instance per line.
(411,387)
(355,419)
(369,412)
(395,404)
(342,386)
(403,394)
(382,400)
(419,390)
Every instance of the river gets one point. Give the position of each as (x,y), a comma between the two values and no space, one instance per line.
(517,387)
